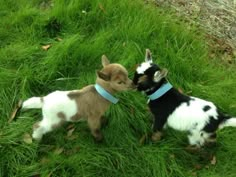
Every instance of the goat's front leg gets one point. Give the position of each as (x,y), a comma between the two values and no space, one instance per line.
(157,129)
(104,121)
(94,123)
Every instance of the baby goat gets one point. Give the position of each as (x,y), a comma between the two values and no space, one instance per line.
(181,112)
(89,103)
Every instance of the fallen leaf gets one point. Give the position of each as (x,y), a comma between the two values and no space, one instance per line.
(228,58)
(38,175)
(46,47)
(70,126)
(77,148)
(142,139)
(234,53)
(189,92)
(72,137)
(49,174)
(59,39)
(213,160)
(172,156)
(46,5)
(233,106)
(44,160)
(47,148)
(197,166)
(27,138)
(84,12)
(58,151)
(180,90)
(148,109)
(212,55)
(16,110)
(181,2)
(192,149)
(72,151)
(132,111)
(101,7)
(70,132)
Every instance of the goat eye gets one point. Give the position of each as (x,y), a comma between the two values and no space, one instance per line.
(120,82)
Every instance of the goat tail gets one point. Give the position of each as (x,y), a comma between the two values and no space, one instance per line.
(34,102)
(229,122)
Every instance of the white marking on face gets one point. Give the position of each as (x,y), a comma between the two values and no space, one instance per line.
(143,67)
(157,76)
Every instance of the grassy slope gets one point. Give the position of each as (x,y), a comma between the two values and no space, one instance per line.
(122,30)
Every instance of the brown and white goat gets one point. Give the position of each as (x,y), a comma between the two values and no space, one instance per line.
(84,104)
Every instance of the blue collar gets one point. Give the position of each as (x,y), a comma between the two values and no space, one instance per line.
(105,94)
(161,91)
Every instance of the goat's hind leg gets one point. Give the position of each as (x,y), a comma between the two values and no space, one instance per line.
(196,140)
(38,131)
(43,127)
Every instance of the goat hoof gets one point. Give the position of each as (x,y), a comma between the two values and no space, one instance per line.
(156,136)
(99,138)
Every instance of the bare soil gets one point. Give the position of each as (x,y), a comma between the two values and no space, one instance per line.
(216,17)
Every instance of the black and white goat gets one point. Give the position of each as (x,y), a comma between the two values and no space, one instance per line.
(181,112)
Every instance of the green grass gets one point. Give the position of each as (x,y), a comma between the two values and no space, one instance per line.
(122,30)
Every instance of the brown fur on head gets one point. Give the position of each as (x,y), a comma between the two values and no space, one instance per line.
(113,77)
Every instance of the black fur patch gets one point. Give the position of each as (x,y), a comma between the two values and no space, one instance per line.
(206,108)
(188,102)
(212,125)
(165,105)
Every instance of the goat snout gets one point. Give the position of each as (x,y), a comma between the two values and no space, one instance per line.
(132,85)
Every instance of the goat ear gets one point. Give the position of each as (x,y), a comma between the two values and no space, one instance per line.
(148,56)
(164,72)
(103,76)
(160,75)
(105,61)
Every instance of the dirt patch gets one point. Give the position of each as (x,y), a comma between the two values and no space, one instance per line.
(216,17)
